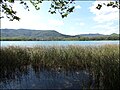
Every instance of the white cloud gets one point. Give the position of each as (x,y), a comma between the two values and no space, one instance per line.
(107,28)
(106,18)
(78,23)
(55,22)
(105,14)
(30,20)
(82,24)
(78,7)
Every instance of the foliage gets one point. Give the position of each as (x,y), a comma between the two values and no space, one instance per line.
(63,7)
(112,4)
(8,10)
(101,61)
(82,38)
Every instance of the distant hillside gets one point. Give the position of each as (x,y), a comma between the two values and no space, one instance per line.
(31,33)
(114,34)
(89,35)
(25,34)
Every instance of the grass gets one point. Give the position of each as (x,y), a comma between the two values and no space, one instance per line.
(101,61)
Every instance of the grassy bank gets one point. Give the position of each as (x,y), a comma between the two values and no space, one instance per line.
(101,61)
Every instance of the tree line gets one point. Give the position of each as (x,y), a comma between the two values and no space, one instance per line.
(80,38)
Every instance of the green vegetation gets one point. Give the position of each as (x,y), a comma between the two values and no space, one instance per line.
(81,38)
(50,35)
(95,38)
(63,7)
(101,61)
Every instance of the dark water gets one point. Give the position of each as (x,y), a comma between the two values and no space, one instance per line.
(49,43)
(28,77)
(36,78)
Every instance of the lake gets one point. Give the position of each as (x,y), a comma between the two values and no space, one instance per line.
(52,43)
(31,77)
(37,78)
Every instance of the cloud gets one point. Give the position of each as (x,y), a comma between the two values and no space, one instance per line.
(30,20)
(107,28)
(82,24)
(105,14)
(106,18)
(78,7)
(78,23)
(55,22)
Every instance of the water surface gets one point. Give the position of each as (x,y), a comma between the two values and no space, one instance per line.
(36,78)
(49,43)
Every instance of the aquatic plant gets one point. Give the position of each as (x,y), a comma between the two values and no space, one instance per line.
(101,61)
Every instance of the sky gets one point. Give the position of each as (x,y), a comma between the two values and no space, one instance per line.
(84,20)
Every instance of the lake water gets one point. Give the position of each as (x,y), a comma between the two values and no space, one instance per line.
(29,77)
(36,78)
(49,43)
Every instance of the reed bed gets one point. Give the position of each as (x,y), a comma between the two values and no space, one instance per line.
(101,61)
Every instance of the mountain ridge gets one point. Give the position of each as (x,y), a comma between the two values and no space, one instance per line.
(27,34)
(30,33)
(39,33)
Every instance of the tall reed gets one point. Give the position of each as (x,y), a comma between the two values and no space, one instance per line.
(101,61)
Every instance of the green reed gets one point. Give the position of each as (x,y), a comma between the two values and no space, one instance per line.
(102,61)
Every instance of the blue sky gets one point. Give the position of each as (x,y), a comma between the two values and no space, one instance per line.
(84,20)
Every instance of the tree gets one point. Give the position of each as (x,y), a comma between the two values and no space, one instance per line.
(63,7)
(113,4)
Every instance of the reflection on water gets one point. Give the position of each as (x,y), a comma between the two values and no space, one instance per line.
(28,77)
(54,43)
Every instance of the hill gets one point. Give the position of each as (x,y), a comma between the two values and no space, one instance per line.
(31,33)
(26,34)
(90,35)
